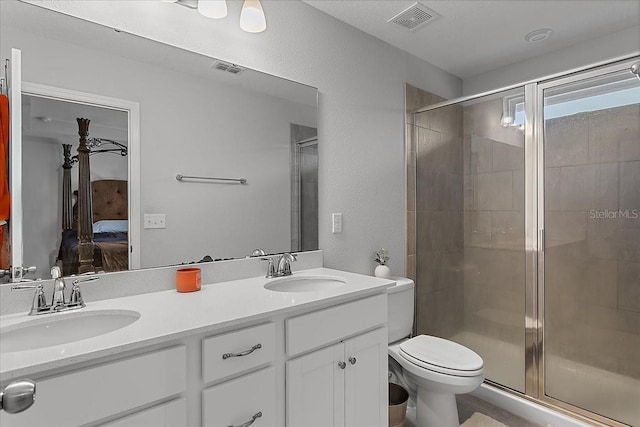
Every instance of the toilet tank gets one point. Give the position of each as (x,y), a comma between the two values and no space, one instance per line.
(400,309)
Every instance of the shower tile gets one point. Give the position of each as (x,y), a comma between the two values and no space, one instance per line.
(552,196)
(628,242)
(447,120)
(567,141)
(468,191)
(607,183)
(629,286)
(577,187)
(438,191)
(518,190)
(481,155)
(454,152)
(565,227)
(615,131)
(422,120)
(507,230)
(411,267)
(629,185)
(494,191)
(411,232)
(412,97)
(615,320)
(628,354)
(602,237)
(410,144)
(507,157)
(411,189)
(477,228)
(600,286)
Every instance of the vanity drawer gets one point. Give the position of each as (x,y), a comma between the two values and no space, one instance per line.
(236,352)
(170,414)
(237,401)
(322,327)
(88,395)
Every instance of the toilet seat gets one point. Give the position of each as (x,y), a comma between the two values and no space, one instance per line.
(443,356)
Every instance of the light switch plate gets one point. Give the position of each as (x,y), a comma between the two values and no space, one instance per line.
(155,221)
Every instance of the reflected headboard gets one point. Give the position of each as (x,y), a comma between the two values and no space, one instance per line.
(109,198)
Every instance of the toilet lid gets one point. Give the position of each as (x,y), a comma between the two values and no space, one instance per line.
(441,355)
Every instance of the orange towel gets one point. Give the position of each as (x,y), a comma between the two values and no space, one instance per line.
(5,200)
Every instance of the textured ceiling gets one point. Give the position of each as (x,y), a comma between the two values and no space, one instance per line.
(473,37)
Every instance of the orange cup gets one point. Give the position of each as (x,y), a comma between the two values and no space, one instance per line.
(188,280)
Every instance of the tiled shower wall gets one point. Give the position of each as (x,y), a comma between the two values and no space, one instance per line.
(435,178)
(494,274)
(592,280)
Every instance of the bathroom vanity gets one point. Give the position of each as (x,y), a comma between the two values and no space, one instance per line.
(233,354)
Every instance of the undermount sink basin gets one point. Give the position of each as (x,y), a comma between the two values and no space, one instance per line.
(54,329)
(305,283)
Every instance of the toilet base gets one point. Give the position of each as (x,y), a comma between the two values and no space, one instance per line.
(436,409)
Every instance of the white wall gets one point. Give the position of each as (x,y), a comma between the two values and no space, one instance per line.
(615,45)
(360,80)
(190,126)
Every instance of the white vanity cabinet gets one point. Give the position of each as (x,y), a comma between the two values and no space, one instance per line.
(341,384)
(89,395)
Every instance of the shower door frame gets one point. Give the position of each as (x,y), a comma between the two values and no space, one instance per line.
(534,227)
(538,142)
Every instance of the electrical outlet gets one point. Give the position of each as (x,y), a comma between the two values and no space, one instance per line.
(336,223)
(155,221)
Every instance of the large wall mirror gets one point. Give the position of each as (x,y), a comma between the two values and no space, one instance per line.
(155,112)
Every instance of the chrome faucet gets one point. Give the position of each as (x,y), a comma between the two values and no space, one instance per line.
(58,301)
(284,265)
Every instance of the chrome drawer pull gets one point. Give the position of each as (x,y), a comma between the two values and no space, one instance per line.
(244,353)
(251,421)
(352,360)
(18,396)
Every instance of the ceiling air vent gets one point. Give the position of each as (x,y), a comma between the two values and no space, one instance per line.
(414,17)
(228,67)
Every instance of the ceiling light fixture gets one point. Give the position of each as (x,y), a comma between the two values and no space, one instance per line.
(215,9)
(538,35)
(252,18)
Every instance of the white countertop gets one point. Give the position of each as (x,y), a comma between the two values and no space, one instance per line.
(169,315)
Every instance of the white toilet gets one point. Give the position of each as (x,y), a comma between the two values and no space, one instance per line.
(433,369)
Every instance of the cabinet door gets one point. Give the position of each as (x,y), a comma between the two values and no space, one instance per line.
(366,387)
(315,389)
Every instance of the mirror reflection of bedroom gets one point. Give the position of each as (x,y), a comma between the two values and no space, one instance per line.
(50,173)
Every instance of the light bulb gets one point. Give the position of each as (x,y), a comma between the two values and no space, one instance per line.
(252,19)
(213,8)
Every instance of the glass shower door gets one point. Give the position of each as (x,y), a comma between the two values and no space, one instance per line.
(592,243)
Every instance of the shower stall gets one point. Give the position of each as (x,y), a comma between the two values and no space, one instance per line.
(524,235)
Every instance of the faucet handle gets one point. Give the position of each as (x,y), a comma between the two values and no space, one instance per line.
(75,299)
(271,267)
(39,303)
